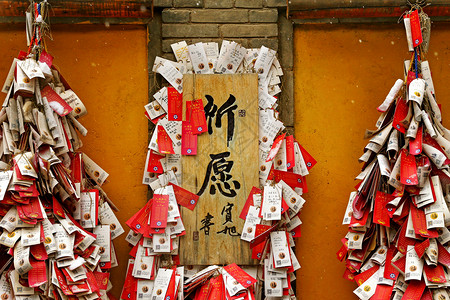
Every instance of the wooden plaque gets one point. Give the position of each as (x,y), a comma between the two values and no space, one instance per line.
(224,170)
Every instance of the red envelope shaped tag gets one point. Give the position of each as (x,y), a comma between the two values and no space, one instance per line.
(22,55)
(435,274)
(184,197)
(171,289)
(290,153)
(160,206)
(154,163)
(348,275)
(380,214)
(415,146)
(341,253)
(33,209)
(258,250)
(139,221)
(57,208)
(56,102)
(408,169)
(362,221)
(77,167)
(390,272)
(4,209)
(174,105)
(420,223)
(203,292)
(361,278)
(165,144)
(403,242)
(38,274)
(197,117)
(353,266)
(426,295)
(240,275)
(38,252)
(130,284)
(188,139)
(416,32)
(46,58)
(382,292)
(401,111)
(275,147)
(291,179)
(249,202)
(261,233)
(62,281)
(444,256)
(309,160)
(422,247)
(400,264)
(414,290)
(284,206)
(217,288)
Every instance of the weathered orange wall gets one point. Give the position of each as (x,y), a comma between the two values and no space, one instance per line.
(107,69)
(342,73)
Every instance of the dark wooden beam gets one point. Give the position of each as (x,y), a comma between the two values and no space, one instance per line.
(360,9)
(369,12)
(136,9)
(295,5)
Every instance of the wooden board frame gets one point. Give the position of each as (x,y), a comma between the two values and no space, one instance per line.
(123,11)
(213,228)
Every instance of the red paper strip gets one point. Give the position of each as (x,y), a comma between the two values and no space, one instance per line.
(415,146)
(188,139)
(380,214)
(249,202)
(414,290)
(174,105)
(408,169)
(240,275)
(160,206)
(309,160)
(184,197)
(38,273)
(197,117)
(154,163)
(165,145)
(290,153)
(275,147)
(416,32)
(401,111)
(56,102)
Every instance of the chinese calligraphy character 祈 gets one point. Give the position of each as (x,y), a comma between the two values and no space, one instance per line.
(227,210)
(230,231)
(218,171)
(227,108)
(207,223)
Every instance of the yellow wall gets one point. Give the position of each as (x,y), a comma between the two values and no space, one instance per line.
(107,69)
(342,73)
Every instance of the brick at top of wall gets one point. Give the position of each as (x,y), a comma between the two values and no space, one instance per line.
(249,30)
(218,3)
(188,3)
(189,30)
(219,16)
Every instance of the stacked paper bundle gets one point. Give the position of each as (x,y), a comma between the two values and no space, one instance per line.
(271,213)
(398,217)
(56,224)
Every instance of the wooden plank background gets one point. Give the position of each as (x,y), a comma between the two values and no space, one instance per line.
(218,248)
